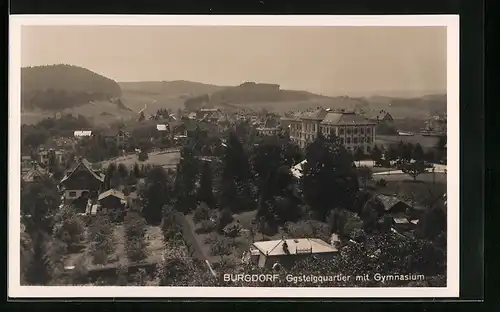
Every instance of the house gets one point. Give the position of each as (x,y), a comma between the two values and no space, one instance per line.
(26,163)
(82,134)
(381,117)
(287,252)
(45,155)
(111,200)
(298,169)
(82,181)
(120,138)
(269,127)
(34,174)
(393,205)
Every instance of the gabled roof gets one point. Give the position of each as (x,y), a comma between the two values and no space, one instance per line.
(87,166)
(317,114)
(111,192)
(343,118)
(30,175)
(389,201)
(295,246)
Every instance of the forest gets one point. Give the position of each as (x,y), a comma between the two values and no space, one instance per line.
(56,87)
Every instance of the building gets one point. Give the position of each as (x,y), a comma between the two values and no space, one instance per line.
(82,181)
(26,163)
(288,251)
(34,174)
(111,200)
(44,156)
(82,134)
(380,117)
(393,205)
(352,130)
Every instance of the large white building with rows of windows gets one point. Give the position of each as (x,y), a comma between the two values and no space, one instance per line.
(353,130)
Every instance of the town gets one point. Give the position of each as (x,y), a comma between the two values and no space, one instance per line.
(178,198)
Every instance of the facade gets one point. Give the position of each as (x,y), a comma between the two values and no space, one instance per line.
(352,130)
(44,156)
(287,252)
(82,181)
(268,131)
(111,200)
(34,174)
(26,163)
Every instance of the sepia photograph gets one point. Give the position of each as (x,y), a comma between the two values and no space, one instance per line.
(234,156)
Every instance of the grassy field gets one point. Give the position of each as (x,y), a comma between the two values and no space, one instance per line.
(165,159)
(403,185)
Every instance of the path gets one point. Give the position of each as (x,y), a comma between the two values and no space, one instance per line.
(189,237)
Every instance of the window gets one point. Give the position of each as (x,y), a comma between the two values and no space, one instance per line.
(349,131)
(368,130)
(355,131)
(72,194)
(341,131)
(355,140)
(348,140)
(341,140)
(368,140)
(362,130)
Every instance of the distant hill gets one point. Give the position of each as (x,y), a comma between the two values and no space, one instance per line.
(56,87)
(251,92)
(176,88)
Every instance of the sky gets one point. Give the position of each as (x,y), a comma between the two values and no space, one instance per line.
(325,60)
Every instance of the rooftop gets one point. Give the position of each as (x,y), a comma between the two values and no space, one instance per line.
(345,118)
(295,246)
(111,192)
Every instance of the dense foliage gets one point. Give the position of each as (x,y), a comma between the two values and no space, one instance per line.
(56,87)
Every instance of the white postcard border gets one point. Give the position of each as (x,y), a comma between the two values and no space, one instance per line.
(15,290)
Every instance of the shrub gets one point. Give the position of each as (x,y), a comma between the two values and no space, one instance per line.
(201,213)
(206,226)
(68,227)
(225,217)
(210,239)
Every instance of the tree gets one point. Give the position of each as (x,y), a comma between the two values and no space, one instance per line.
(141,117)
(185,181)
(135,244)
(365,174)
(391,153)
(201,213)
(178,268)
(370,214)
(222,246)
(155,194)
(235,182)
(171,229)
(440,148)
(225,217)
(35,137)
(359,154)
(101,239)
(205,191)
(122,171)
(137,171)
(337,221)
(110,176)
(414,169)
(376,154)
(329,177)
(40,269)
(40,201)
(418,153)
(68,227)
